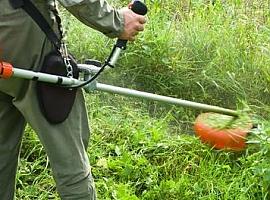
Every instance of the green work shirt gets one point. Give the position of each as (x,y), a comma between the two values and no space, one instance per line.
(97,14)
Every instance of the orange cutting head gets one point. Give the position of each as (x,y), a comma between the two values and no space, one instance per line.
(5,70)
(223,131)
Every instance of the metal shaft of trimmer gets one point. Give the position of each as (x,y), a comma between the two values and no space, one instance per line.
(21,73)
(164,99)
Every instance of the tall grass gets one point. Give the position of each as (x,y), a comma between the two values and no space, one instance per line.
(212,51)
(194,50)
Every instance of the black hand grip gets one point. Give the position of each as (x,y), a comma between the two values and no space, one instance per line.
(139,8)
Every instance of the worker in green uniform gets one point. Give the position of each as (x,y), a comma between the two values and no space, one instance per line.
(23,44)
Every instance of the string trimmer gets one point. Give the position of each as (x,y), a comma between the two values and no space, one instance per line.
(220,127)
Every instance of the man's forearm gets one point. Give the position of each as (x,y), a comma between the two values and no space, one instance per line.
(97,14)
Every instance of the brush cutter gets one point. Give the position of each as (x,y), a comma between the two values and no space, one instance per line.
(218,127)
(222,128)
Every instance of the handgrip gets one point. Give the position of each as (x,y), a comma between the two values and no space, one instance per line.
(139,8)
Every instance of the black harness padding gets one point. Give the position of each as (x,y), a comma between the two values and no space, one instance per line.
(55,101)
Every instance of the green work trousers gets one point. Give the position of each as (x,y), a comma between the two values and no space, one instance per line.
(24,45)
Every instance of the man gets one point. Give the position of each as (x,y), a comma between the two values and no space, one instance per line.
(23,44)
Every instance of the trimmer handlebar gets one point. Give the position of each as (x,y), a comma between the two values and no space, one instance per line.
(139,8)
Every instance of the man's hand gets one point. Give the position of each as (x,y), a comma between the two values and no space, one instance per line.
(132,25)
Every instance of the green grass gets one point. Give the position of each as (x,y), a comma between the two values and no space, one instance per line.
(144,150)
(136,156)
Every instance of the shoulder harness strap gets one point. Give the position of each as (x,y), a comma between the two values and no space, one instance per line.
(35,14)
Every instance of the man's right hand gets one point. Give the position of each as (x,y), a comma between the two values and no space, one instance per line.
(133,24)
